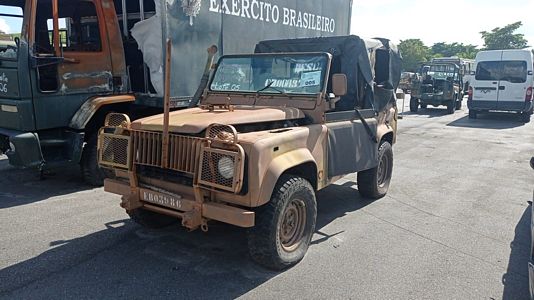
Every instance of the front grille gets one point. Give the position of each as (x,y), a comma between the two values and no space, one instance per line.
(184,151)
(114,150)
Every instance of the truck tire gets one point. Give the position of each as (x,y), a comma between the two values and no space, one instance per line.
(423,106)
(374,183)
(284,226)
(458,104)
(472,114)
(92,174)
(525,117)
(451,107)
(414,105)
(151,219)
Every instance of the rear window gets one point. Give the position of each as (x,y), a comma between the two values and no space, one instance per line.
(513,71)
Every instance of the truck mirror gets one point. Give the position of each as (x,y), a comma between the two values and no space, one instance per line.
(339,84)
(532,162)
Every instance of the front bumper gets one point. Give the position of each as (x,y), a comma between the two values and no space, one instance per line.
(193,213)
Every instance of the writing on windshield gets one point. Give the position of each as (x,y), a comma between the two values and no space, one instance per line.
(290,74)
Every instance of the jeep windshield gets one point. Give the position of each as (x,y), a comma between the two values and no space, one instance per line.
(10,28)
(442,71)
(286,74)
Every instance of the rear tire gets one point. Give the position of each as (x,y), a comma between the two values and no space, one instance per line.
(414,105)
(284,226)
(525,117)
(472,114)
(458,104)
(151,219)
(374,183)
(423,106)
(92,174)
(451,107)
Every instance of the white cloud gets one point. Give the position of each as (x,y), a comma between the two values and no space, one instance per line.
(4,27)
(453,21)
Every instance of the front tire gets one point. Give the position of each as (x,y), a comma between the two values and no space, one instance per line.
(374,183)
(414,105)
(451,107)
(92,174)
(284,226)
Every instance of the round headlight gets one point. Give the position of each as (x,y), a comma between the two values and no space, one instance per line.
(226,167)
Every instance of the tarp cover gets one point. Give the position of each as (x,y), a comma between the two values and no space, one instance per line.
(372,67)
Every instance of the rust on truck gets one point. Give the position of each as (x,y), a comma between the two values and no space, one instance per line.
(272,128)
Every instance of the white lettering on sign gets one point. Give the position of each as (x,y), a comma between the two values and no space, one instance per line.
(163,200)
(272,13)
(3,83)
(310,79)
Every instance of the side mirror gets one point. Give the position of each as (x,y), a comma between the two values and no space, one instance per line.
(532,162)
(339,84)
(529,72)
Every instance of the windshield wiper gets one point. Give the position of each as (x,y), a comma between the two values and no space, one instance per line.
(269,86)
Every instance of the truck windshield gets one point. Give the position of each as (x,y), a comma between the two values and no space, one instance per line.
(10,28)
(272,74)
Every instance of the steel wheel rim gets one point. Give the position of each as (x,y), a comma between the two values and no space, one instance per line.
(293,224)
(383,167)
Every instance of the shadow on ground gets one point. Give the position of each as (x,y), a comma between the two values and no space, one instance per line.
(429,112)
(128,261)
(20,187)
(515,280)
(489,121)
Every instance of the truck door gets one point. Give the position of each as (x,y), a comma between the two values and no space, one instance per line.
(486,87)
(71,34)
(513,83)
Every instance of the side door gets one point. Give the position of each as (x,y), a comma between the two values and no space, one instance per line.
(513,84)
(486,85)
(71,36)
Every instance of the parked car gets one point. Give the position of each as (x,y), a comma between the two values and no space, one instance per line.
(503,82)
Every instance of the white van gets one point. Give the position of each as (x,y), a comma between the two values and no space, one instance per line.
(503,82)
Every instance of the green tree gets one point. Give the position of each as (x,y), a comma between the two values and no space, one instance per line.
(454,49)
(504,38)
(414,52)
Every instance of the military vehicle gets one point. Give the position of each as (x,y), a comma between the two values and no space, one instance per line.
(74,61)
(406,81)
(272,128)
(440,84)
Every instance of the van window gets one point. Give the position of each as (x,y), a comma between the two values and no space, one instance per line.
(512,71)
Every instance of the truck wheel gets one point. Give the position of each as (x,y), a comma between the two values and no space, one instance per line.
(91,172)
(414,105)
(472,114)
(423,106)
(284,226)
(150,219)
(374,183)
(458,104)
(451,106)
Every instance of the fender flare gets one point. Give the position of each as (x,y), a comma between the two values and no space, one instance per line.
(277,167)
(84,114)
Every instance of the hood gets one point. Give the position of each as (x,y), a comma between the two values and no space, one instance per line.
(196,120)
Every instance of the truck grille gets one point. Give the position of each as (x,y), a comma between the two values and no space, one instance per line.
(184,151)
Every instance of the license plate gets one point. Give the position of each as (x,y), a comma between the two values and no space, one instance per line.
(170,201)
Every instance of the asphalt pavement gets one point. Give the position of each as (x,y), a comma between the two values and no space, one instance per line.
(454,225)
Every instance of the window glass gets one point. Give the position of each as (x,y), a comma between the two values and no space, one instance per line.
(514,71)
(10,28)
(488,70)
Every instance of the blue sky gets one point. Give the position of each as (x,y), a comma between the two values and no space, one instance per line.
(457,20)
(445,21)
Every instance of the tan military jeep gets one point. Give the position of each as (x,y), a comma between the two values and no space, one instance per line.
(272,128)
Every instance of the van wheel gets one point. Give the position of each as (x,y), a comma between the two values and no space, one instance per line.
(472,114)
(374,183)
(151,219)
(451,107)
(284,226)
(525,117)
(414,104)
(92,174)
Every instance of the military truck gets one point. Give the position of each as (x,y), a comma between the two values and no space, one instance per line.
(440,84)
(272,128)
(70,62)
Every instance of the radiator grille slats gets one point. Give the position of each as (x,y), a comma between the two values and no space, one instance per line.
(183,151)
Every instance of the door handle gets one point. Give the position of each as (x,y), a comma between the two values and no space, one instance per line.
(501,88)
(495,82)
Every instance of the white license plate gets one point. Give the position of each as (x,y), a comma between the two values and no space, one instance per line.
(170,201)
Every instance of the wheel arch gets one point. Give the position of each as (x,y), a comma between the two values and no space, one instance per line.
(298,162)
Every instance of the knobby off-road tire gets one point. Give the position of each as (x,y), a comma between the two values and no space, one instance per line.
(91,172)
(414,105)
(284,226)
(374,183)
(472,114)
(150,219)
